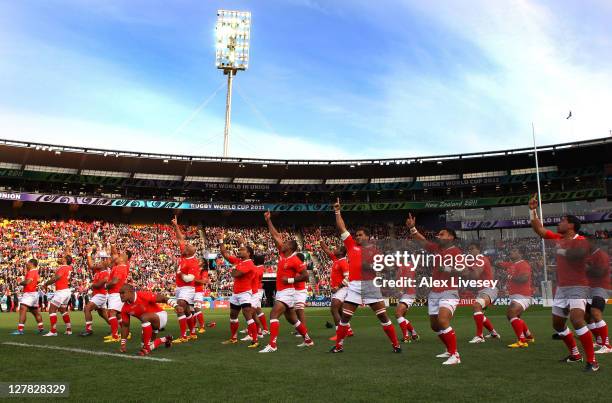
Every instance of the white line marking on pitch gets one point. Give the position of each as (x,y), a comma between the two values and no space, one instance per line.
(79,350)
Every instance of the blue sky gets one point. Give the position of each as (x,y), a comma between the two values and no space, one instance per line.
(327,79)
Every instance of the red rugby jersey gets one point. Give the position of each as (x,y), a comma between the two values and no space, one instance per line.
(144,302)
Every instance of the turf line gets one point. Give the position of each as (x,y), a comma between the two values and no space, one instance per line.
(79,350)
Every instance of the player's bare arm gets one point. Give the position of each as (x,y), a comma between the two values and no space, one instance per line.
(161,298)
(235,273)
(414,233)
(521,279)
(536,224)
(223,250)
(326,249)
(125,331)
(177,230)
(52,280)
(303,276)
(25,282)
(339,220)
(278,239)
(112,282)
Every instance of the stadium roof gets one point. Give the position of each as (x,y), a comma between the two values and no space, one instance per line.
(575,154)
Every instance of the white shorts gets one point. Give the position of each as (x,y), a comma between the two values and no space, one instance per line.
(567,298)
(241,298)
(198,299)
(286,296)
(341,294)
(599,292)
(29,299)
(61,298)
(163,319)
(300,298)
(187,294)
(522,300)
(446,299)
(99,300)
(490,292)
(114,302)
(256,301)
(363,293)
(407,299)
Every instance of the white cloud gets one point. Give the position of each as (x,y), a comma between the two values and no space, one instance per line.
(537,79)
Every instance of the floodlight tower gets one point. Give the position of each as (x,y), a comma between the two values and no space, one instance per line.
(233,31)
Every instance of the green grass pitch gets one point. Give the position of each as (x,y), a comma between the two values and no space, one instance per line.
(367,371)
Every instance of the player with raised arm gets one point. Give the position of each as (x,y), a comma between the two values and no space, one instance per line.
(98,286)
(444,296)
(29,298)
(361,289)
(117,278)
(143,305)
(338,282)
(570,300)
(189,267)
(520,292)
(482,270)
(60,299)
(598,273)
(289,271)
(243,272)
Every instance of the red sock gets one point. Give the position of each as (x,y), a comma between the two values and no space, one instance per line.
(274,327)
(569,341)
(114,326)
(603,332)
(403,324)
(53,320)
(517,326)
(262,319)
(252,329)
(586,339)
(20,327)
(341,332)
(88,326)
(488,325)
(389,329)
(183,325)
(191,324)
(200,318)
(301,329)
(40,326)
(66,317)
(147,333)
(410,327)
(479,320)
(450,340)
(234,325)
(526,331)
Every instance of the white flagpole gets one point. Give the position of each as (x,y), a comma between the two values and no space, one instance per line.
(546,287)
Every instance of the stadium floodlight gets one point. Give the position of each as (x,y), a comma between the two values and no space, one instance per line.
(232,32)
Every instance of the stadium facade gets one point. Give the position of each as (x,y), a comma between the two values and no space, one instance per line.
(477,193)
